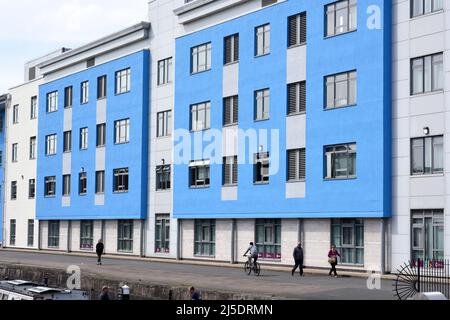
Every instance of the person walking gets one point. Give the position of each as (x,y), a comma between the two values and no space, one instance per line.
(333,255)
(104,296)
(298,258)
(99,249)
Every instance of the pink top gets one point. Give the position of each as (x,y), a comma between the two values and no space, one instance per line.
(334,253)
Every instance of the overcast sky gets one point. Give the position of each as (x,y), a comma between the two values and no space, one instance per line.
(32,28)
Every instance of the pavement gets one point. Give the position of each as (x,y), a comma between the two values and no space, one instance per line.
(274,281)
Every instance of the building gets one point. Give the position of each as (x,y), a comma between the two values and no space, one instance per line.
(3,103)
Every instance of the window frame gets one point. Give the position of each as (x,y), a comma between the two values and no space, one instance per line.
(300,32)
(84,138)
(424,153)
(84,92)
(232,103)
(196,52)
(164,124)
(275,225)
(68,97)
(118,129)
(87,235)
(67,181)
(351,77)
(162,233)
(165,67)
(13,190)
(31,188)
(234,49)
(51,144)
(204,240)
(351,148)
(163,177)
(125,236)
(423,11)
(52,102)
(263,96)
(299,99)
(194,170)
(33,148)
(33,107)
(352,247)
(123,81)
(260,161)
(12,232)
(30,233)
(230,165)
(195,111)
(50,185)
(102,83)
(67,141)
(265,32)
(100,135)
(82,184)
(348,8)
(100,182)
(424,74)
(121,180)
(300,166)
(53,240)
(15,153)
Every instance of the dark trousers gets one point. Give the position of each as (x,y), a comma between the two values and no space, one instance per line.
(99,255)
(333,269)
(298,264)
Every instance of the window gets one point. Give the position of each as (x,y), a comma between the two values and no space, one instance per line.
(421,7)
(1,158)
(121,180)
(125,236)
(341,17)
(84,92)
(90,62)
(33,108)
(164,71)
(100,182)
(30,241)
(199,174)
(162,177)
(86,235)
(261,168)
(14,155)
(262,43)
(201,116)
(230,171)
(262,104)
(296,165)
(162,233)
(265,3)
(230,110)
(297,29)
(427,74)
(101,135)
(53,234)
(50,145)
(201,58)
(101,87)
(341,90)
(32,148)
(31,188)
(268,238)
(427,234)
(205,238)
(67,147)
(66,185)
(231,46)
(427,155)
(164,124)
(52,101)
(296,98)
(15,115)
(31,73)
(68,97)
(123,81)
(12,232)
(83,138)
(82,183)
(122,131)
(340,161)
(348,237)
(50,187)
(13,190)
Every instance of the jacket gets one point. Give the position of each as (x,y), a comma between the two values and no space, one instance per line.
(298,253)
(99,248)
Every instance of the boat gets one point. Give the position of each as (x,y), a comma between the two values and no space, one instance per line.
(27,290)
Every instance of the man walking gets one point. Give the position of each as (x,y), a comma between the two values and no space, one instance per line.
(298,258)
(99,249)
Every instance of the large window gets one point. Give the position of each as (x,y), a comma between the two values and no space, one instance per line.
(82,183)
(341,90)
(122,131)
(162,177)
(12,232)
(296,98)
(421,7)
(15,115)
(162,233)
(53,234)
(296,163)
(84,98)
(101,87)
(101,135)
(164,71)
(205,238)
(121,180)
(50,144)
(66,185)
(427,155)
(261,168)
(50,186)
(348,237)
(164,124)
(340,161)
(30,241)
(230,111)
(125,236)
(86,235)
(123,81)
(262,104)
(67,145)
(201,116)
(268,238)
(230,171)
(100,182)
(427,234)
(262,40)
(13,190)
(31,188)
(199,174)
(14,154)
(297,29)
(68,97)
(427,74)
(231,48)
(33,108)
(341,17)
(52,101)
(201,58)
(32,148)
(83,138)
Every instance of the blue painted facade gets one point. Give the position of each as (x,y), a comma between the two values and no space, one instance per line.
(2,164)
(133,155)
(368,123)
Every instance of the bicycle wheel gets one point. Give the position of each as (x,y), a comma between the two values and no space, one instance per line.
(257,269)
(247,268)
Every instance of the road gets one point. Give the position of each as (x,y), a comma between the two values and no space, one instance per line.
(275,283)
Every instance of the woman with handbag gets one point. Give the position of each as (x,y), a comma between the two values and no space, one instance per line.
(332,260)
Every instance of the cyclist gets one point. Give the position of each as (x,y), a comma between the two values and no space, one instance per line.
(253,253)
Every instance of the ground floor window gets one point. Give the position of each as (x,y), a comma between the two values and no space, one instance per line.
(427,234)
(87,235)
(348,237)
(205,238)
(125,236)
(268,238)
(12,232)
(162,233)
(53,234)
(30,242)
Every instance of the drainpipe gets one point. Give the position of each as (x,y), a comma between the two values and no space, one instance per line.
(39,235)
(102,233)
(233,241)
(69,235)
(179,239)
(142,238)
(383,246)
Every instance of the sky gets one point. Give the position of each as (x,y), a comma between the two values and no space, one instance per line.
(32,28)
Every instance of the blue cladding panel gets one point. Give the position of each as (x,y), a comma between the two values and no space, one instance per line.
(133,155)
(368,124)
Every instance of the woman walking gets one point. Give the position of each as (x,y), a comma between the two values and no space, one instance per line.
(333,255)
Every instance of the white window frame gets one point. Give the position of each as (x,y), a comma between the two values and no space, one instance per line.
(122,131)
(123,81)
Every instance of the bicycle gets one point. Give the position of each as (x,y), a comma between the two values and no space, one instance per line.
(252,266)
